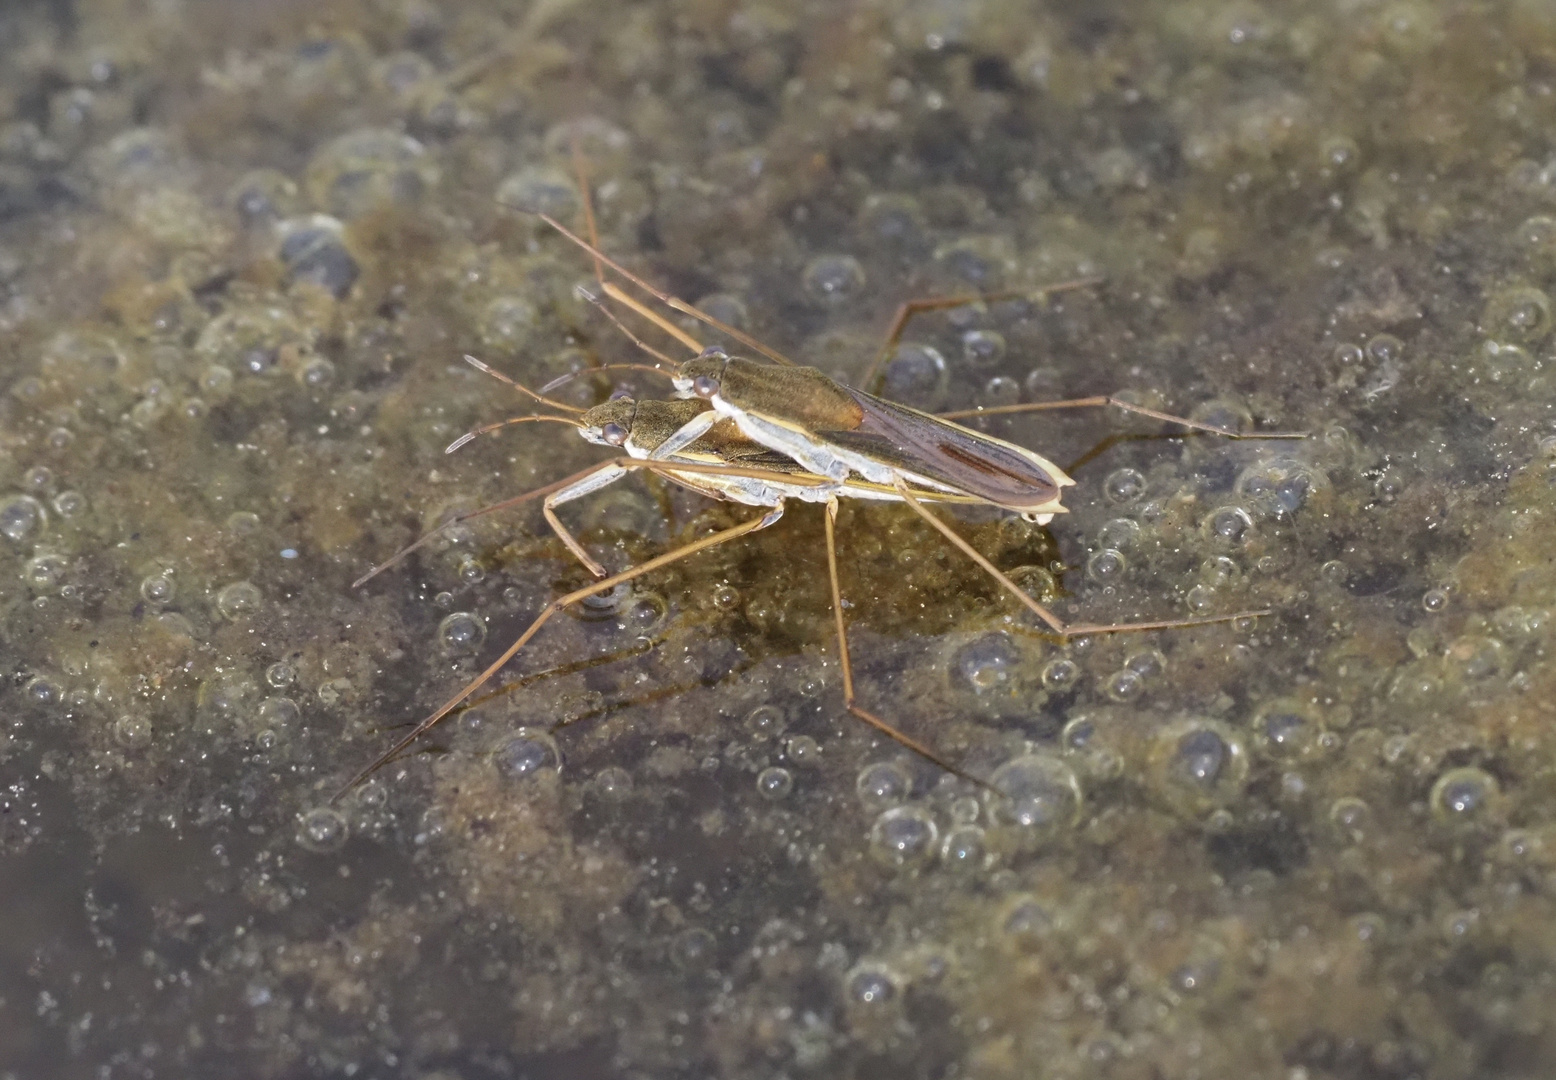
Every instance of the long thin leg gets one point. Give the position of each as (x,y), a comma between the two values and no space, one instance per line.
(551,609)
(591,229)
(665,298)
(1106,400)
(665,362)
(1056,624)
(850,701)
(505,504)
(666,469)
(590,484)
(604,478)
(910,308)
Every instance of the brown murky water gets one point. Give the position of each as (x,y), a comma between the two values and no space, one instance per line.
(242,248)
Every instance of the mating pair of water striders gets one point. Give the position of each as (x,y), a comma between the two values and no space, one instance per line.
(763,432)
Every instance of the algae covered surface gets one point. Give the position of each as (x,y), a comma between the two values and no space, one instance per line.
(242,249)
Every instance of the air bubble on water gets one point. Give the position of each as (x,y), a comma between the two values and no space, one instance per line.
(67,504)
(44,572)
(1279,485)
(883,783)
(1463,795)
(871,984)
(1351,818)
(1286,729)
(313,250)
(243,523)
(803,751)
(1036,582)
(774,782)
(645,613)
(1083,742)
(369,168)
(539,189)
(527,754)
(1349,353)
(1147,662)
(132,731)
(1120,533)
(333,691)
(965,848)
(1124,485)
(1385,349)
(227,698)
(240,599)
(158,588)
(983,348)
(1520,314)
(1228,524)
(43,691)
(1219,570)
(833,279)
(322,830)
(1223,414)
(904,837)
(1001,390)
(318,373)
(985,665)
(1060,673)
(1434,600)
(1107,567)
(461,632)
(21,517)
(1037,793)
(916,374)
(766,721)
(1199,764)
(280,675)
(1124,686)
(278,712)
(613,782)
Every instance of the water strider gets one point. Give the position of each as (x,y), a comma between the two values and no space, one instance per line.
(845,434)
(763,433)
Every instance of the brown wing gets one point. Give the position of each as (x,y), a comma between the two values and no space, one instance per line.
(992,469)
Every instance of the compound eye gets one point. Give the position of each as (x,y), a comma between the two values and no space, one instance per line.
(705,386)
(713,352)
(614,434)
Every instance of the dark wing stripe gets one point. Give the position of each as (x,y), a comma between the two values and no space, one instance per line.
(949,452)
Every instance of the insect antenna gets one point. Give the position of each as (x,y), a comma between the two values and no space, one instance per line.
(484,429)
(520,387)
(628,334)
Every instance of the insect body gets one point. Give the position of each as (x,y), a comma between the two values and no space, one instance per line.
(836,431)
